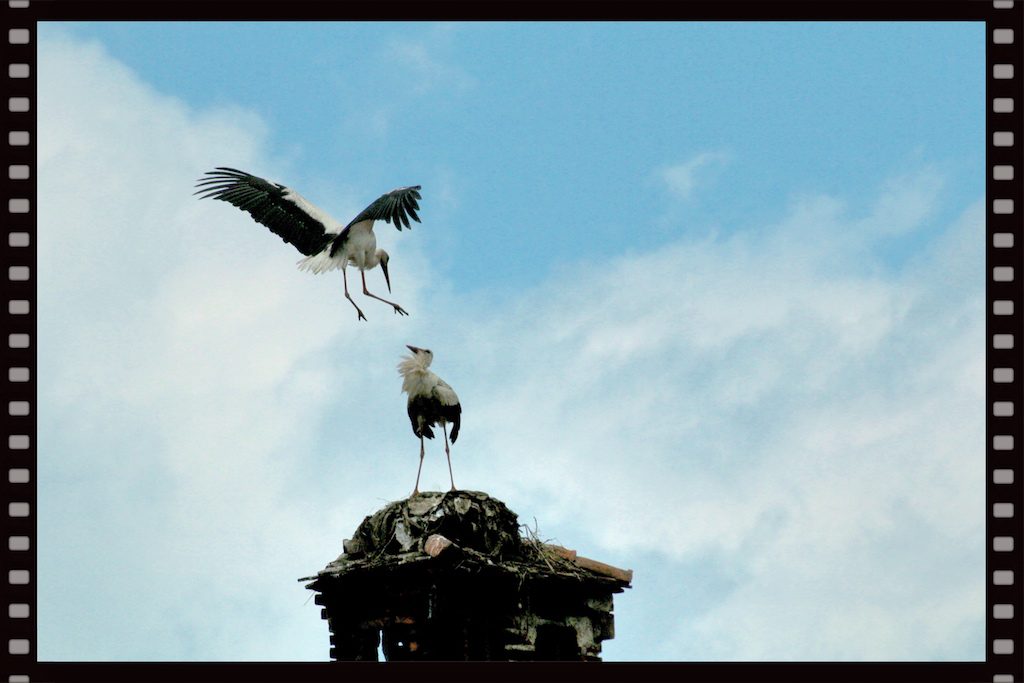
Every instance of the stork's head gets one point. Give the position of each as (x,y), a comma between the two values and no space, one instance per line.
(414,365)
(383,258)
(422,356)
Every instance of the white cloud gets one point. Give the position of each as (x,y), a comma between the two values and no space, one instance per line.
(681,179)
(904,203)
(776,405)
(183,363)
(770,406)
(428,68)
(424,67)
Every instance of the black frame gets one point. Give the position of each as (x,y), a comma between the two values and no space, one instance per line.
(1005,651)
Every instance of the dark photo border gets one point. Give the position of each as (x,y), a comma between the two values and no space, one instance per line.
(1004,660)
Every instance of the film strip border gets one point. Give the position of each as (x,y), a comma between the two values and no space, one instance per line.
(1005,334)
(1005,164)
(20,326)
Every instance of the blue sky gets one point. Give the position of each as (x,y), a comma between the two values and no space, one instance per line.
(712,296)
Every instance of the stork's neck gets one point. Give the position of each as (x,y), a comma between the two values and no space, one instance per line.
(416,378)
(413,365)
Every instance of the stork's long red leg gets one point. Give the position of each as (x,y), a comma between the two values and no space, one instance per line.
(398,309)
(447,453)
(416,489)
(344,278)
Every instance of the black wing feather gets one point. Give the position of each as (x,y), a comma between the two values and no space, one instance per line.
(426,411)
(395,207)
(453,415)
(421,416)
(266,203)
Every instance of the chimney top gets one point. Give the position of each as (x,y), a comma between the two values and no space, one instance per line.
(450,576)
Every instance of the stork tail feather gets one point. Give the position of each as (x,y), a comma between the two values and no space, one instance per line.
(320,262)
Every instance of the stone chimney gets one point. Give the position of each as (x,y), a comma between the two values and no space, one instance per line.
(449,576)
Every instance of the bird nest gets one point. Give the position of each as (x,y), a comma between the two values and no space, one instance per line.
(471,519)
(484,534)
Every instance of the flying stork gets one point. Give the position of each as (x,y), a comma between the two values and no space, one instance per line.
(326,244)
(431,402)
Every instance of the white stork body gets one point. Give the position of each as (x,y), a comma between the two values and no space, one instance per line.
(360,251)
(431,402)
(326,244)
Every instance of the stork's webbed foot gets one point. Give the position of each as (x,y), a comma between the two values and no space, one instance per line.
(361,316)
(400,310)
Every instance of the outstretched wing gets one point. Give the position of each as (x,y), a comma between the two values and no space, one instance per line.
(284,211)
(395,207)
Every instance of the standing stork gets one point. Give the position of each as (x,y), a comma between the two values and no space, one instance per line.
(431,402)
(325,243)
